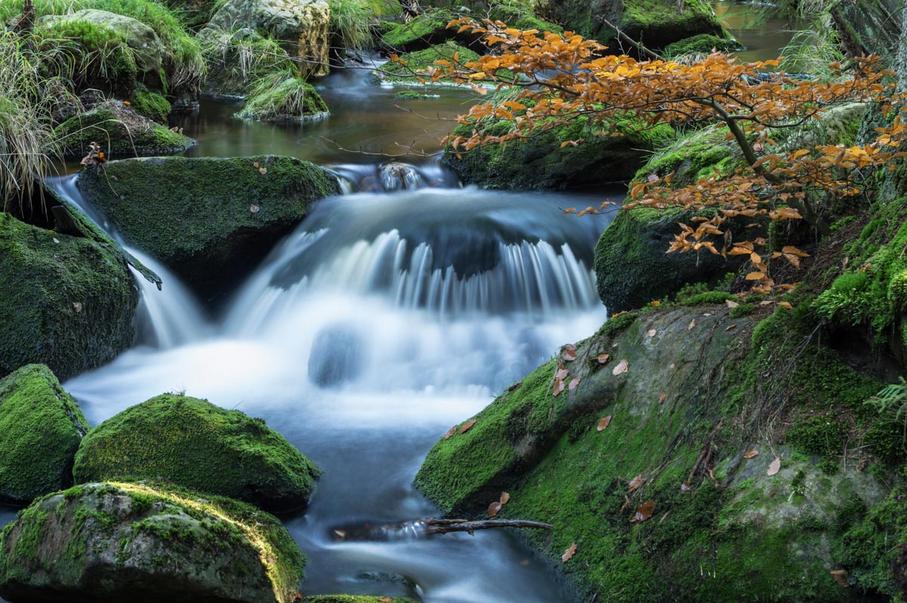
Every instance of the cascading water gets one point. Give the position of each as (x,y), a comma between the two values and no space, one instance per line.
(384,319)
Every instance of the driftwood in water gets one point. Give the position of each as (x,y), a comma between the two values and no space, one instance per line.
(445,526)
(427,527)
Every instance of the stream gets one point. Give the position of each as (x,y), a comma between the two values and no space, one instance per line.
(393,312)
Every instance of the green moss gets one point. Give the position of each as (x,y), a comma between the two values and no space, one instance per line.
(706,297)
(696,155)
(414,67)
(618,323)
(204,224)
(701,44)
(151,104)
(353,599)
(40,430)
(120,132)
(68,302)
(197,445)
(238,59)
(288,100)
(821,435)
(426,29)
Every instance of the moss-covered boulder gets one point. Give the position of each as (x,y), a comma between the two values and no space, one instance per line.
(608,154)
(68,301)
(216,219)
(669,464)
(301,26)
(151,104)
(701,44)
(656,23)
(354,599)
(137,542)
(424,30)
(284,100)
(120,131)
(195,444)
(40,430)
(238,58)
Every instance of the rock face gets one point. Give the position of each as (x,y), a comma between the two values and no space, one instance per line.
(147,47)
(215,219)
(666,463)
(656,23)
(633,268)
(68,301)
(111,542)
(303,25)
(121,132)
(195,444)
(610,155)
(40,430)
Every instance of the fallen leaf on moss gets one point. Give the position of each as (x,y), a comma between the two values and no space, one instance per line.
(644,512)
(731,304)
(622,367)
(505,498)
(774,467)
(569,553)
(450,432)
(785,305)
(685,487)
(467,425)
(603,423)
(494,508)
(603,358)
(651,333)
(840,576)
(568,352)
(636,483)
(558,387)
(561,374)
(751,453)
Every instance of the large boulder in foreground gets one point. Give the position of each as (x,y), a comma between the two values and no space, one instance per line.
(545,159)
(655,23)
(211,220)
(112,542)
(41,427)
(120,131)
(195,444)
(303,26)
(68,301)
(683,461)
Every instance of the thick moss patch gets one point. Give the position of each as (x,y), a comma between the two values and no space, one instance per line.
(195,444)
(68,301)
(127,542)
(425,30)
(40,430)
(288,100)
(216,219)
(120,132)
(609,154)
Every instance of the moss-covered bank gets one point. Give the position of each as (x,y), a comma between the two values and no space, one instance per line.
(41,427)
(139,542)
(215,219)
(195,444)
(68,301)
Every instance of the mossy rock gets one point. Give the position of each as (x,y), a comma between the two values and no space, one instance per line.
(286,101)
(868,27)
(216,219)
(655,23)
(414,68)
(152,105)
(121,132)
(354,599)
(609,153)
(68,301)
(702,44)
(145,543)
(230,74)
(425,30)
(195,444)
(699,395)
(632,265)
(40,430)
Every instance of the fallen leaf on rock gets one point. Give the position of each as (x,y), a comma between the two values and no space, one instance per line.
(450,432)
(574,383)
(636,483)
(254,209)
(751,453)
(730,327)
(651,333)
(644,512)
(692,325)
(569,553)
(662,397)
(505,498)
(774,467)
(77,306)
(558,387)
(731,304)
(467,425)
(494,508)
(568,352)
(603,423)
(561,374)
(840,576)
(622,367)
(339,534)
(603,358)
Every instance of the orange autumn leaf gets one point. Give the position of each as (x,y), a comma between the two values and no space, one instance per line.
(467,425)
(569,553)
(644,512)
(603,423)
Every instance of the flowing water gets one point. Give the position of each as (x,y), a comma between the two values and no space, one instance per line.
(393,312)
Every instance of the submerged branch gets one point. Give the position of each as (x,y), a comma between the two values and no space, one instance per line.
(445,526)
(425,528)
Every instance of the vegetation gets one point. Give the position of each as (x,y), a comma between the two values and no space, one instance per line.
(283,99)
